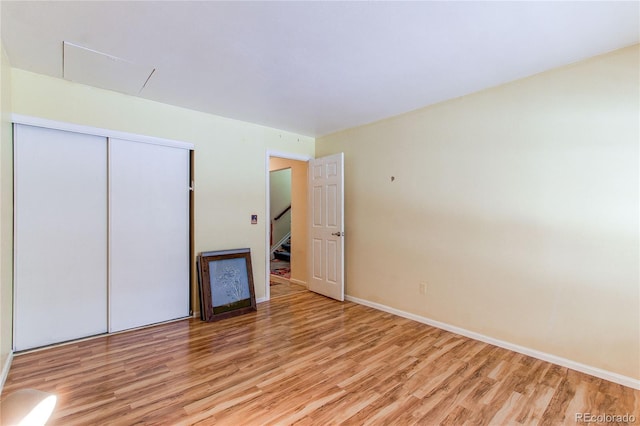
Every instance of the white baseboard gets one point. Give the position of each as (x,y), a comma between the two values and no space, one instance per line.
(5,370)
(261,299)
(563,362)
(299,282)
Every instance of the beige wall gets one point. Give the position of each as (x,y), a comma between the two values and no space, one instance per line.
(230,155)
(517,206)
(299,231)
(6,213)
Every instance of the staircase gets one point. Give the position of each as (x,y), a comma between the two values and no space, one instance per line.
(284,251)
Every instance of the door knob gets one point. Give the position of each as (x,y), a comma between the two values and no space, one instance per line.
(337,234)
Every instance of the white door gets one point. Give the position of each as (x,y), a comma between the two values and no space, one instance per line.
(60,280)
(148,234)
(326,221)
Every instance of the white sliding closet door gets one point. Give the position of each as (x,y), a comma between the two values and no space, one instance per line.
(60,236)
(149,234)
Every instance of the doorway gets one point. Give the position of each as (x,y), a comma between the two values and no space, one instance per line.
(280,216)
(287,228)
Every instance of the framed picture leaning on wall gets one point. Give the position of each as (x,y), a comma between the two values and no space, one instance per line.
(225,278)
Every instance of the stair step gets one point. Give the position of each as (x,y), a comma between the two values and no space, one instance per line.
(283,255)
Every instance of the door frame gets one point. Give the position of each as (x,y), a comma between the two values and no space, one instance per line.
(267,219)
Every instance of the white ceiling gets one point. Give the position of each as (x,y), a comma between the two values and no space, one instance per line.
(312,67)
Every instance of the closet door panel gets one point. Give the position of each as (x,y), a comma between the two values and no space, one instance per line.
(149,234)
(60,236)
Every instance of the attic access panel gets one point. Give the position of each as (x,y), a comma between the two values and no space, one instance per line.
(97,69)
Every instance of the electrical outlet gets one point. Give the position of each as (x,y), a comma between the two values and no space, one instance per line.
(423,288)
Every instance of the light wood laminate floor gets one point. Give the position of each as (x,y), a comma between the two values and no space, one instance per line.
(308,360)
(279,289)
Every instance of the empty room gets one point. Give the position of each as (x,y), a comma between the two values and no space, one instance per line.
(449,192)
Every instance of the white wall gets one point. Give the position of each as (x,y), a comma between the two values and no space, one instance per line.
(518,206)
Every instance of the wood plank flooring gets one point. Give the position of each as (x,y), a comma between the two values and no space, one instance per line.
(286,288)
(308,360)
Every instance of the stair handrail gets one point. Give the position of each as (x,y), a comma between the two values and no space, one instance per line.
(282,214)
(274,247)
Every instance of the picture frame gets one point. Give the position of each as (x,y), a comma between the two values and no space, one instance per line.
(225,278)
